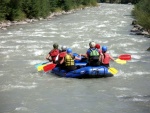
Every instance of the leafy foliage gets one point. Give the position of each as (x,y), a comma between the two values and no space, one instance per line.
(20,9)
(142,13)
(4,10)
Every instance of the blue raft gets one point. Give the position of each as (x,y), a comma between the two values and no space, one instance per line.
(83,72)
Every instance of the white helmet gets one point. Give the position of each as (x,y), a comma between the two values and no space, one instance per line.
(92,44)
(63,48)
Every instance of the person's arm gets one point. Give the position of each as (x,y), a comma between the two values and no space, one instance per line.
(102,58)
(77,58)
(62,60)
(111,58)
(48,56)
(84,55)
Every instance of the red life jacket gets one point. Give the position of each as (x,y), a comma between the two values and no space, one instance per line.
(54,54)
(106,59)
(62,54)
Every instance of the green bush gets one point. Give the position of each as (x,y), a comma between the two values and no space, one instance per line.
(142,13)
(20,9)
(4,9)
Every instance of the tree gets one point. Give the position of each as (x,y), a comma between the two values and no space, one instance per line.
(4,9)
(15,10)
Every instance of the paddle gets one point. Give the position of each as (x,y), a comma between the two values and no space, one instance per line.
(40,68)
(125,57)
(120,61)
(49,67)
(52,66)
(112,70)
(39,64)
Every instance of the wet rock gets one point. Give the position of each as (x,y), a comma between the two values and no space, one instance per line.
(148,49)
(134,22)
(138,29)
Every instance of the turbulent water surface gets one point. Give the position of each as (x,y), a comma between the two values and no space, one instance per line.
(24,90)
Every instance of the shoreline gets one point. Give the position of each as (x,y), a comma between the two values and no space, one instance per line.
(6,23)
(139,30)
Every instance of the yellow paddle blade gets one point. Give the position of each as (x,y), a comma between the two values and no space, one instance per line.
(40,68)
(120,61)
(113,70)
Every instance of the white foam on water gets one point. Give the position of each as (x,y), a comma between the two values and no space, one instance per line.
(9,33)
(119,74)
(53,32)
(134,98)
(82,27)
(11,87)
(76,46)
(52,28)
(140,73)
(25,41)
(125,44)
(139,40)
(133,60)
(39,52)
(38,30)
(3,42)
(4,52)
(121,96)
(33,62)
(7,56)
(122,88)
(132,51)
(51,36)
(136,56)
(106,22)
(63,36)
(21,109)
(139,100)
(99,26)
(114,34)
(7,47)
(1,74)
(123,22)
(34,47)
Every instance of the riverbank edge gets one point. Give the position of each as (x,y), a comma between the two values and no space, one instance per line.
(139,30)
(6,24)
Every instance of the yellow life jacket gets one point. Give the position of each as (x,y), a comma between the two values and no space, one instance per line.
(69,61)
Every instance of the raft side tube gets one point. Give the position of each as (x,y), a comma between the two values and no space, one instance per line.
(92,72)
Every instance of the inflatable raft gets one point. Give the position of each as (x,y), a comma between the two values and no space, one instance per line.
(83,72)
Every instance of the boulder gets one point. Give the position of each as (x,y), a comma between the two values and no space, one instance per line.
(148,49)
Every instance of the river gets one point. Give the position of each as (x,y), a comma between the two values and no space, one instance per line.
(24,90)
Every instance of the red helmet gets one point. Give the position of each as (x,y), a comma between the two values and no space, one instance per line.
(98,46)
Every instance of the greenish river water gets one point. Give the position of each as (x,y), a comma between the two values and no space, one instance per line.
(24,90)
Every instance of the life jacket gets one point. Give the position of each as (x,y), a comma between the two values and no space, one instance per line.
(94,54)
(54,54)
(69,61)
(106,59)
(62,54)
